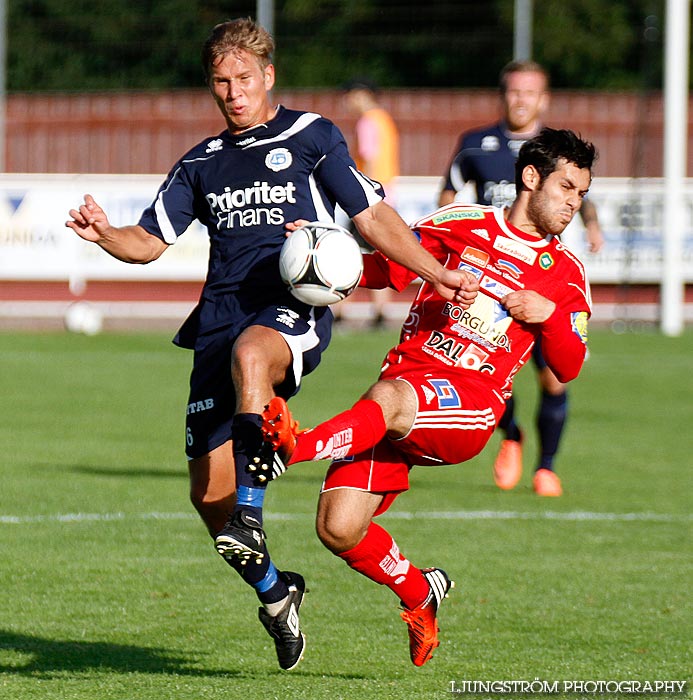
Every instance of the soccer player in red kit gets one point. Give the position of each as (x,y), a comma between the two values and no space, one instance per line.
(441,390)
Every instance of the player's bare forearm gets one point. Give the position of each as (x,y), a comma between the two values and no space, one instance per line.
(131,244)
(385,230)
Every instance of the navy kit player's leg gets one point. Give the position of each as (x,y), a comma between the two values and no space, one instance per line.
(209,427)
(551,419)
(269,356)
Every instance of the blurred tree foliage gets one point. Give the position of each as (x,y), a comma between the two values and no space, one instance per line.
(82,45)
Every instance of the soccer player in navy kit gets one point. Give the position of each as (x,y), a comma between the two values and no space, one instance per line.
(487,158)
(251,339)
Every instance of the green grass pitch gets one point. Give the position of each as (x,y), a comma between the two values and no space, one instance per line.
(111,588)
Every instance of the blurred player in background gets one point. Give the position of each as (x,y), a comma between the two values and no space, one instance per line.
(487,158)
(442,388)
(252,340)
(377,156)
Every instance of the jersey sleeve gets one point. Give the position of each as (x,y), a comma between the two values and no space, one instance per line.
(337,174)
(564,333)
(564,342)
(173,210)
(453,176)
(380,272)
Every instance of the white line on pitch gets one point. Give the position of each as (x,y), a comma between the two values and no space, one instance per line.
(396,515)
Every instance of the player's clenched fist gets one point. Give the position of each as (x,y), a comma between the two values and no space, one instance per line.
(467,290)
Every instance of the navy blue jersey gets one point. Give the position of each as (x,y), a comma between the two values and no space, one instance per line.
(487,158)
(244,189)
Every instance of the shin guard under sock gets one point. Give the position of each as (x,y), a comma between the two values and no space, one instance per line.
(247,442)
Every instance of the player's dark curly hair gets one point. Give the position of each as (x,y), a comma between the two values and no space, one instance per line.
(237,35)
(548,147)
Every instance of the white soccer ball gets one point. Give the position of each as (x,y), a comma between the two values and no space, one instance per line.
(83,317)
(321,263)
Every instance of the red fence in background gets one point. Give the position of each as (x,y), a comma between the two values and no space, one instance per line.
(145,132)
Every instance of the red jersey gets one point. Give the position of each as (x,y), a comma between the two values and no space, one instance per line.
(484,343)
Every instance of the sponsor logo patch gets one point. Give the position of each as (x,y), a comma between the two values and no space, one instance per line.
(475,256)
(471,269)
(511,268)
(494,288)
(458,216)
(446,393)
(515,249)
(490,143)
(214,146)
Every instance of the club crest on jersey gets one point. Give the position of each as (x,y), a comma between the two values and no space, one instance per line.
(279,159)
(545,261)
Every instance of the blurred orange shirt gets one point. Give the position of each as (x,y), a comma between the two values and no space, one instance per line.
(378,147)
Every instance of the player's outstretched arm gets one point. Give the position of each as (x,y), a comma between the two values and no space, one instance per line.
(385,230)
(131,244)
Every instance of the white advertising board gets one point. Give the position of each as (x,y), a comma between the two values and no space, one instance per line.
(36,245)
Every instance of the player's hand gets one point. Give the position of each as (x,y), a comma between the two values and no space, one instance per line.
(294,225)
(89,221)
(458,286)
(528,306)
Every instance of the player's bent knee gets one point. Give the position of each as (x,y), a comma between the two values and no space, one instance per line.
(214,512)
(338,535)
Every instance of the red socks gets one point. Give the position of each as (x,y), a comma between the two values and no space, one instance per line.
(348,433)
(377,557)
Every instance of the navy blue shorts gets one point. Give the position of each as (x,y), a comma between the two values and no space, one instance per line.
(212,399)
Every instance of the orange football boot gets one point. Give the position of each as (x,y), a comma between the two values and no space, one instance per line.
(422,623)
(546,483)
(507,469)
(279,428)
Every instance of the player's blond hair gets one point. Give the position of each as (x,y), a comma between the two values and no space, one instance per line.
(521,67)
(233,36)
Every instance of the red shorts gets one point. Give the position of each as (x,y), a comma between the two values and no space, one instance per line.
(454,421)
